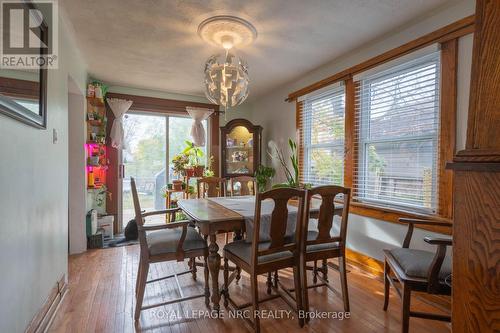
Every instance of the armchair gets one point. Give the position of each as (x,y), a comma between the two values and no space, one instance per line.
(417,270)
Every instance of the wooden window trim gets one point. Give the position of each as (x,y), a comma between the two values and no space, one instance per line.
(447,134)
(454,30)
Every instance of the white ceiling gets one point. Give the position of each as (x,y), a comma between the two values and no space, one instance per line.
(153,44)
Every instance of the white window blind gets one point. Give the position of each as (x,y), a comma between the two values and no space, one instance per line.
(398,126)
(322,137)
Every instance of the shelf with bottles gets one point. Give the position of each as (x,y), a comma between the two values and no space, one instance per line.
(97,165)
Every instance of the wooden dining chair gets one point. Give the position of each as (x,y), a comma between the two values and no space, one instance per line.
(165,242)
(209,187)
(278,251)
(320,244)
(418,270)
(248,185)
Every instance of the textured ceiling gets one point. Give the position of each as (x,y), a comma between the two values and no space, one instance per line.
(153,44)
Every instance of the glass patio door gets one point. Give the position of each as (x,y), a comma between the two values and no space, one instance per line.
(144,157)
(151,141)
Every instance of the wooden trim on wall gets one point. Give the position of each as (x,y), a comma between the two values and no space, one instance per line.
(447,131)
(20,88)
(350,134)
(44,316)
(365,263)
(161,105)
(299,109)
(454,30)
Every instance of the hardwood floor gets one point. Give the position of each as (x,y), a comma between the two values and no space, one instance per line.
(101,298)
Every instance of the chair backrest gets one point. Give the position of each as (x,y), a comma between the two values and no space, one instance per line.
(278,224)
(138,218)
(210,187)
(248,185)
(328,194)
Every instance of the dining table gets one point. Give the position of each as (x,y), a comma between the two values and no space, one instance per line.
(218,215)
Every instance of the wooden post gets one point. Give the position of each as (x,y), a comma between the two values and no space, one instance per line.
(476,229)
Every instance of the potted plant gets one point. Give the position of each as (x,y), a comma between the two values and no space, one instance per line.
(263,175)
(209,172)
(292,179)
(180,161)
(195,154)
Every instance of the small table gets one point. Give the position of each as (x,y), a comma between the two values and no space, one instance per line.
(168,198)
(212,218)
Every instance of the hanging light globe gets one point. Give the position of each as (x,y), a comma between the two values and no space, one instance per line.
(226,80)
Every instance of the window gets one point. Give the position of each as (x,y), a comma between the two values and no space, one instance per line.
(322,137)
(398,129)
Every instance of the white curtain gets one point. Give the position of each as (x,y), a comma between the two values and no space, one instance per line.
(197,130)
(119,107)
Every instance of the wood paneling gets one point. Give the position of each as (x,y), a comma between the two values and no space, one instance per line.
(457,29)
(476,229)
(447,128)
(476,251)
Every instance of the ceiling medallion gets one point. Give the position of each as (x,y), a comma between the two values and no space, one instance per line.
(226,75)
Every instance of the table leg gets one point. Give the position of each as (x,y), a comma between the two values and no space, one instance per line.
(214,267)
(168,203)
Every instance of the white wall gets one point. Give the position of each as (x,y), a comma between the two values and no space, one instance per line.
(277,117)
(77,163)
(34,198)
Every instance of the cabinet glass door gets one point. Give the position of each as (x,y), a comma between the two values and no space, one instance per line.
(239,151)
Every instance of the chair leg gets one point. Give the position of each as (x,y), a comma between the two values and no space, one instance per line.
(305,290)
(255,303)
(207,288)
(387,285)
(269,282)
(315,272)
(405,318)
(139,273)
(193,268)
(238,274)
(298,292)
(276,279)
(343,282)
(225,291)
(141,289)
(324,269)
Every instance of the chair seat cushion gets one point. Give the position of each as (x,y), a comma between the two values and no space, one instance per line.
(312,235)
(166,241)
(243,250)
(416,263)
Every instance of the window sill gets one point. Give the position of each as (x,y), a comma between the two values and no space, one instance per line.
(393,215)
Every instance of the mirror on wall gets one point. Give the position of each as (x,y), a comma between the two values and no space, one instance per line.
(23,88)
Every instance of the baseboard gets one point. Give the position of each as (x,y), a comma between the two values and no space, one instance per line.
(41,320)
(365,263)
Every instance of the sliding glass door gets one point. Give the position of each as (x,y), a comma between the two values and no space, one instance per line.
(151,141)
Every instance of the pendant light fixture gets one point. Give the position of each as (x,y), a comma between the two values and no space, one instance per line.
(226,75)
